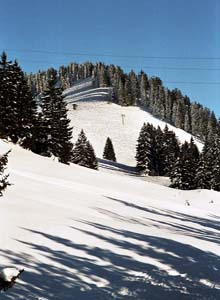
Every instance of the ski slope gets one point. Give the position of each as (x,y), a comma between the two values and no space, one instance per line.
(101,119)
(84,234)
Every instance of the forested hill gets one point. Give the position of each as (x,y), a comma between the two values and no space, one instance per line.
(137,89)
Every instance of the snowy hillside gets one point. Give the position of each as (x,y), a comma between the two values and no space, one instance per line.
(84,234)
(101,119)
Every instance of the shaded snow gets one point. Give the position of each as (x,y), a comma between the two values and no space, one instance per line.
(109,234)
(84,234)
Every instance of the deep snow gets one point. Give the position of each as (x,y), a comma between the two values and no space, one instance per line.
(85,235)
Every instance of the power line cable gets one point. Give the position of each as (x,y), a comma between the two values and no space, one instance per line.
(134,67)
(144,67)
(112,55)
(193,82)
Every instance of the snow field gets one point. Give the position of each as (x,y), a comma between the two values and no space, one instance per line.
(101,119)
(85,234)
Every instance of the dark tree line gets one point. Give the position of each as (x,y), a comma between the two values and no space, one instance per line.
(156,150)
(42,128)
(158,153)
(137,89)
(17,106)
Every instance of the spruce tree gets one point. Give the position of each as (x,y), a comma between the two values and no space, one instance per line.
(129,100)
(134,87)
(83,153)
(92,162)
(215,175)
(141,155)
(171,150)
(184,170)
(205,167)
(159,153)
(26,109)
(17,106)
(145,150)
(144,89)
(4,178)
(55,127)
(40,143)
(8,113)
(109,152)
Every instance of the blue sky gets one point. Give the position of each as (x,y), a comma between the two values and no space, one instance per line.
(141,29)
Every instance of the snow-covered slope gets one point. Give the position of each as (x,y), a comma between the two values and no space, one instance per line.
(84,234)
(101,119)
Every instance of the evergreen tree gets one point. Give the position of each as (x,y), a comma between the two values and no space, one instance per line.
(215,175)
(141,156)
(17,106)
(92,162)
(109,152)
(83,153)
(8,115)
(55,128)
(26,109)
(134,87)
(171,150)
(183,173)
(4,178)
(40,144)
(145,150)
(129,100)
(103,78)
(144,89)
(205,167)
(159,153)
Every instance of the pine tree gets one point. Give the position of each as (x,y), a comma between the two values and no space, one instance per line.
(159,153)
(40,143)
(92,162)
(145,150)
(55,129)
(103,78)
(83,153)
(215,175)
(26,109)
(205,167)
(4,178)
(109,152)
(17,106)
(134,87)
(144,89)
(8,115)
(171,150)
(183,173)
(141,155)
(129,100)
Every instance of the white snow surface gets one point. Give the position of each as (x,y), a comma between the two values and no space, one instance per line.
(101,119)
(84,234)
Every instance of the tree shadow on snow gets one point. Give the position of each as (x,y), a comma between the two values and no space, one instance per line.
(59,275)
(119,167)
(179,222)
